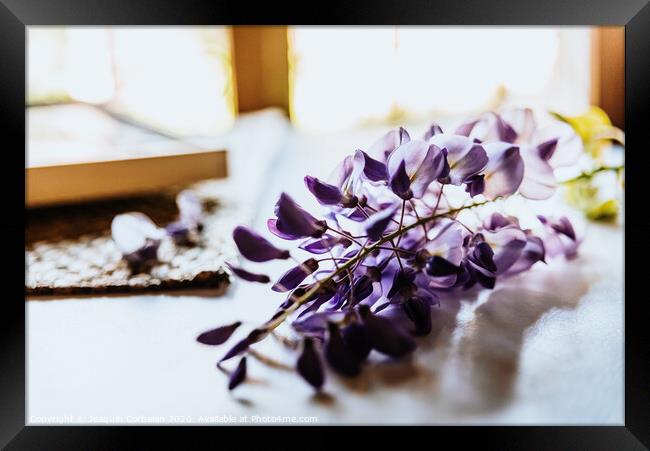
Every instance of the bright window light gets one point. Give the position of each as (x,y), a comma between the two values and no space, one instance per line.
(174,78)
(343,77)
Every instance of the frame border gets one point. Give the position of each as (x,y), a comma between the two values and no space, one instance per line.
(16,15)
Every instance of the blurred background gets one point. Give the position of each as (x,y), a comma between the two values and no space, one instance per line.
(116,93)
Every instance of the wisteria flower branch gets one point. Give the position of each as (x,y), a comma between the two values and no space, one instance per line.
(392,246)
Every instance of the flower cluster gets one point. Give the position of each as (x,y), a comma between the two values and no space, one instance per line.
(138,238)
(391,244)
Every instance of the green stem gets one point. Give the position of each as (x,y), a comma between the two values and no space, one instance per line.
(270,325)
(590,174)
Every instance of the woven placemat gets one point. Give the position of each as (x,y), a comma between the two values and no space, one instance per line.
(70,250)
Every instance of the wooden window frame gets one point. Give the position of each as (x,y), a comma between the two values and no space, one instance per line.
(608,72)
(261,69)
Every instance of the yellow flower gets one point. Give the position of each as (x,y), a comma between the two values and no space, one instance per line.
(596,130)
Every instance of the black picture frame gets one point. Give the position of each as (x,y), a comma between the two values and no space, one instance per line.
(16,15)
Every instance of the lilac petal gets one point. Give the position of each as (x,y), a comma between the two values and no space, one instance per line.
(481,266)
(347,177)
(505,131)
(383,147)
(324,193)
(219,335)
(523,122)
(496,221)
(447,243)
(323,244)
(292,278)
(400,182)
(376,224)
(256,248)
(441,267)
(432,167)
(190,207)
(466,128)
(418,310)
(423,163)
(511,242)
(402,282)
(533,252)
(240,346)
(339,357)
(569,146)
(374,170)
(248,276)
(239,375)
(272,225)
(475,185)
(386,336)
(138,239)
(179,232)
(465,157)
(469,165)
(483,256)
(361,289)
(546,149)
(356,340)
(539,180)
(294,220)
(563,226)
(505,170)
(309,365)
(317,322)
(434,129)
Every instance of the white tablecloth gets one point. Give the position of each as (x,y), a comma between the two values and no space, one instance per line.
(542,348)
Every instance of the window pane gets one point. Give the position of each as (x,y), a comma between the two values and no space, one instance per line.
(175,78)
(343,77)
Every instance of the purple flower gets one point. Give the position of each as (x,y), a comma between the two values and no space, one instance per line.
(324,193)
(356,340)
(373,170)
(309,365)
(138,239)
(377,288)
(385,336)
(418,309)
(239,375)
(434,129)
(324,244)
(560,238)
(534,251)
(504,171)
(219,335)
(385,145)
(465,157)
(292,278)
(340,358)
(443,255)
(347,178)
(488,127)
(481,266)
(376,225)
(507,243)
(248,276)
(293,221)
(256,248)
(413,166)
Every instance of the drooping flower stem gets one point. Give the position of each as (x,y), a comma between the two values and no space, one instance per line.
(590,174)
(298,301)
